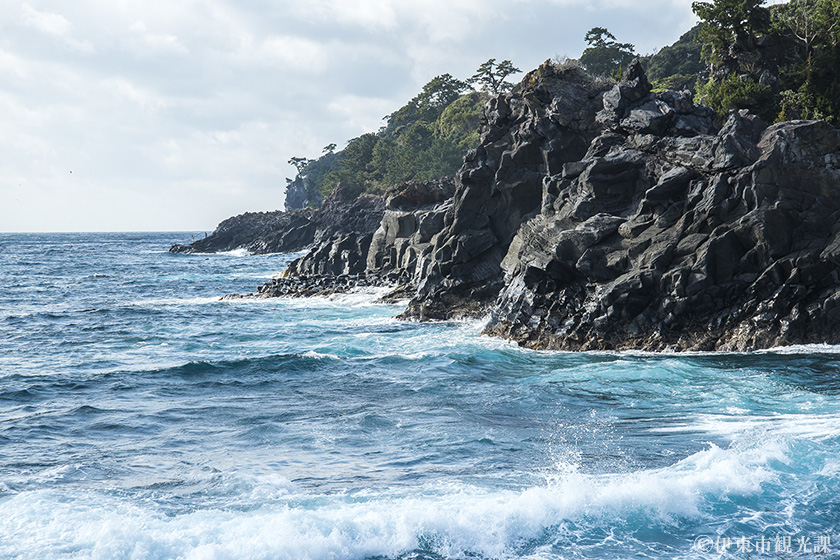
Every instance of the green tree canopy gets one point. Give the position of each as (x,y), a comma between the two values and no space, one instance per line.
(605,56)
(678,66)
(427,105)
(425,139)
(730,26)
(492,77)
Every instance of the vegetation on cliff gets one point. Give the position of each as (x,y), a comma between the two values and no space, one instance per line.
(425,139)
(781,62)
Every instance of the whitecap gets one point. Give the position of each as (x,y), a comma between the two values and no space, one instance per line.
(454,520)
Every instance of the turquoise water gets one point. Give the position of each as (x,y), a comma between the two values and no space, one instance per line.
(141,417)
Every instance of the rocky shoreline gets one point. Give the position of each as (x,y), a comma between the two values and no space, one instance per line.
(603,216)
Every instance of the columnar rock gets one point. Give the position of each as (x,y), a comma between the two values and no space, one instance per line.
(699,242)
(525,136)
(608,216)
(414,215)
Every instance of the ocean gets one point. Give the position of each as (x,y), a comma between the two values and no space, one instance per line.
(142,417)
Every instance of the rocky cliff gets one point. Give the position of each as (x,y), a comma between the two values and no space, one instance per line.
(607,216)
(665,233)
(283,232)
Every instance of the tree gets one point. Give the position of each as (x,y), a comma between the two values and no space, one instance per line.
(299,163)
(605,56)
(492,77)
(329,148)
(811,89)
(678,66)
(441,91)
(427,105)
(729,27)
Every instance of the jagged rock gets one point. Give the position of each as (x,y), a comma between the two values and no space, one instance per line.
(414,195)
(606,218)
(343,254)
(282,232)
(524,136)
(746,259)
(297,197)
(257,232)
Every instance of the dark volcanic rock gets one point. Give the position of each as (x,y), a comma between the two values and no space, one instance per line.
(257,232)
(734,249)
(294,285)
(601,216)
(384,243)
(524,137)
(283,232)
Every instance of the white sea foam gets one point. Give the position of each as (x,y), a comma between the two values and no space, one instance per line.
(806,349)
(815,427)
(160,302)
(455,519)
(234,253)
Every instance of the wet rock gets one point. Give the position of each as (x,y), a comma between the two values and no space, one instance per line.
(283,232)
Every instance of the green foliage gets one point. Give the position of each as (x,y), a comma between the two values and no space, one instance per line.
(605,56)
(425,139)
(811,22)
(352,166)
(429,103)
(739,92)
(459,121)
(730,26)
(492,77)
(798,58)
(678,66)
(802,105)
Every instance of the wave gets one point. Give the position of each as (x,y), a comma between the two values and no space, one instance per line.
(815,427)
(579,514)
(220,369)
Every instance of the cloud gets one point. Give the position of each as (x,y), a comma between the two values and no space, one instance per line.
(52,24)
(372,15)
(295,53)
(55,25)
(190,110)
(158,43)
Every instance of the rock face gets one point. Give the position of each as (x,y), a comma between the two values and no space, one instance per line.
(600,216)
(525,136)
(258,233)
(282,232)
(387,244)
(727,242)
(664,232)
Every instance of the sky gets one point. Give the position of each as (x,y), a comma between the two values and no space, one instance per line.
(172,115)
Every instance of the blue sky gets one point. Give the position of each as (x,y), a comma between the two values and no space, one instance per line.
(173,115)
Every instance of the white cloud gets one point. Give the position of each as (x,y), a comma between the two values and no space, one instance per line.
(143,98)
(55,25)
(158,43)
(175,115)
(293,52)
(50,23)
(374,15)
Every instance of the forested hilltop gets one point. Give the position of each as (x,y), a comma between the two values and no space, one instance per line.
(781,62)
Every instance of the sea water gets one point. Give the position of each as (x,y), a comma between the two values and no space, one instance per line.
(142,417)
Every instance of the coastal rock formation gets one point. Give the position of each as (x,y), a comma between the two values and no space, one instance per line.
(727,242)
(282,232)
(258,233)
(667,233)
(608,216)
(524,137)
(413,213)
